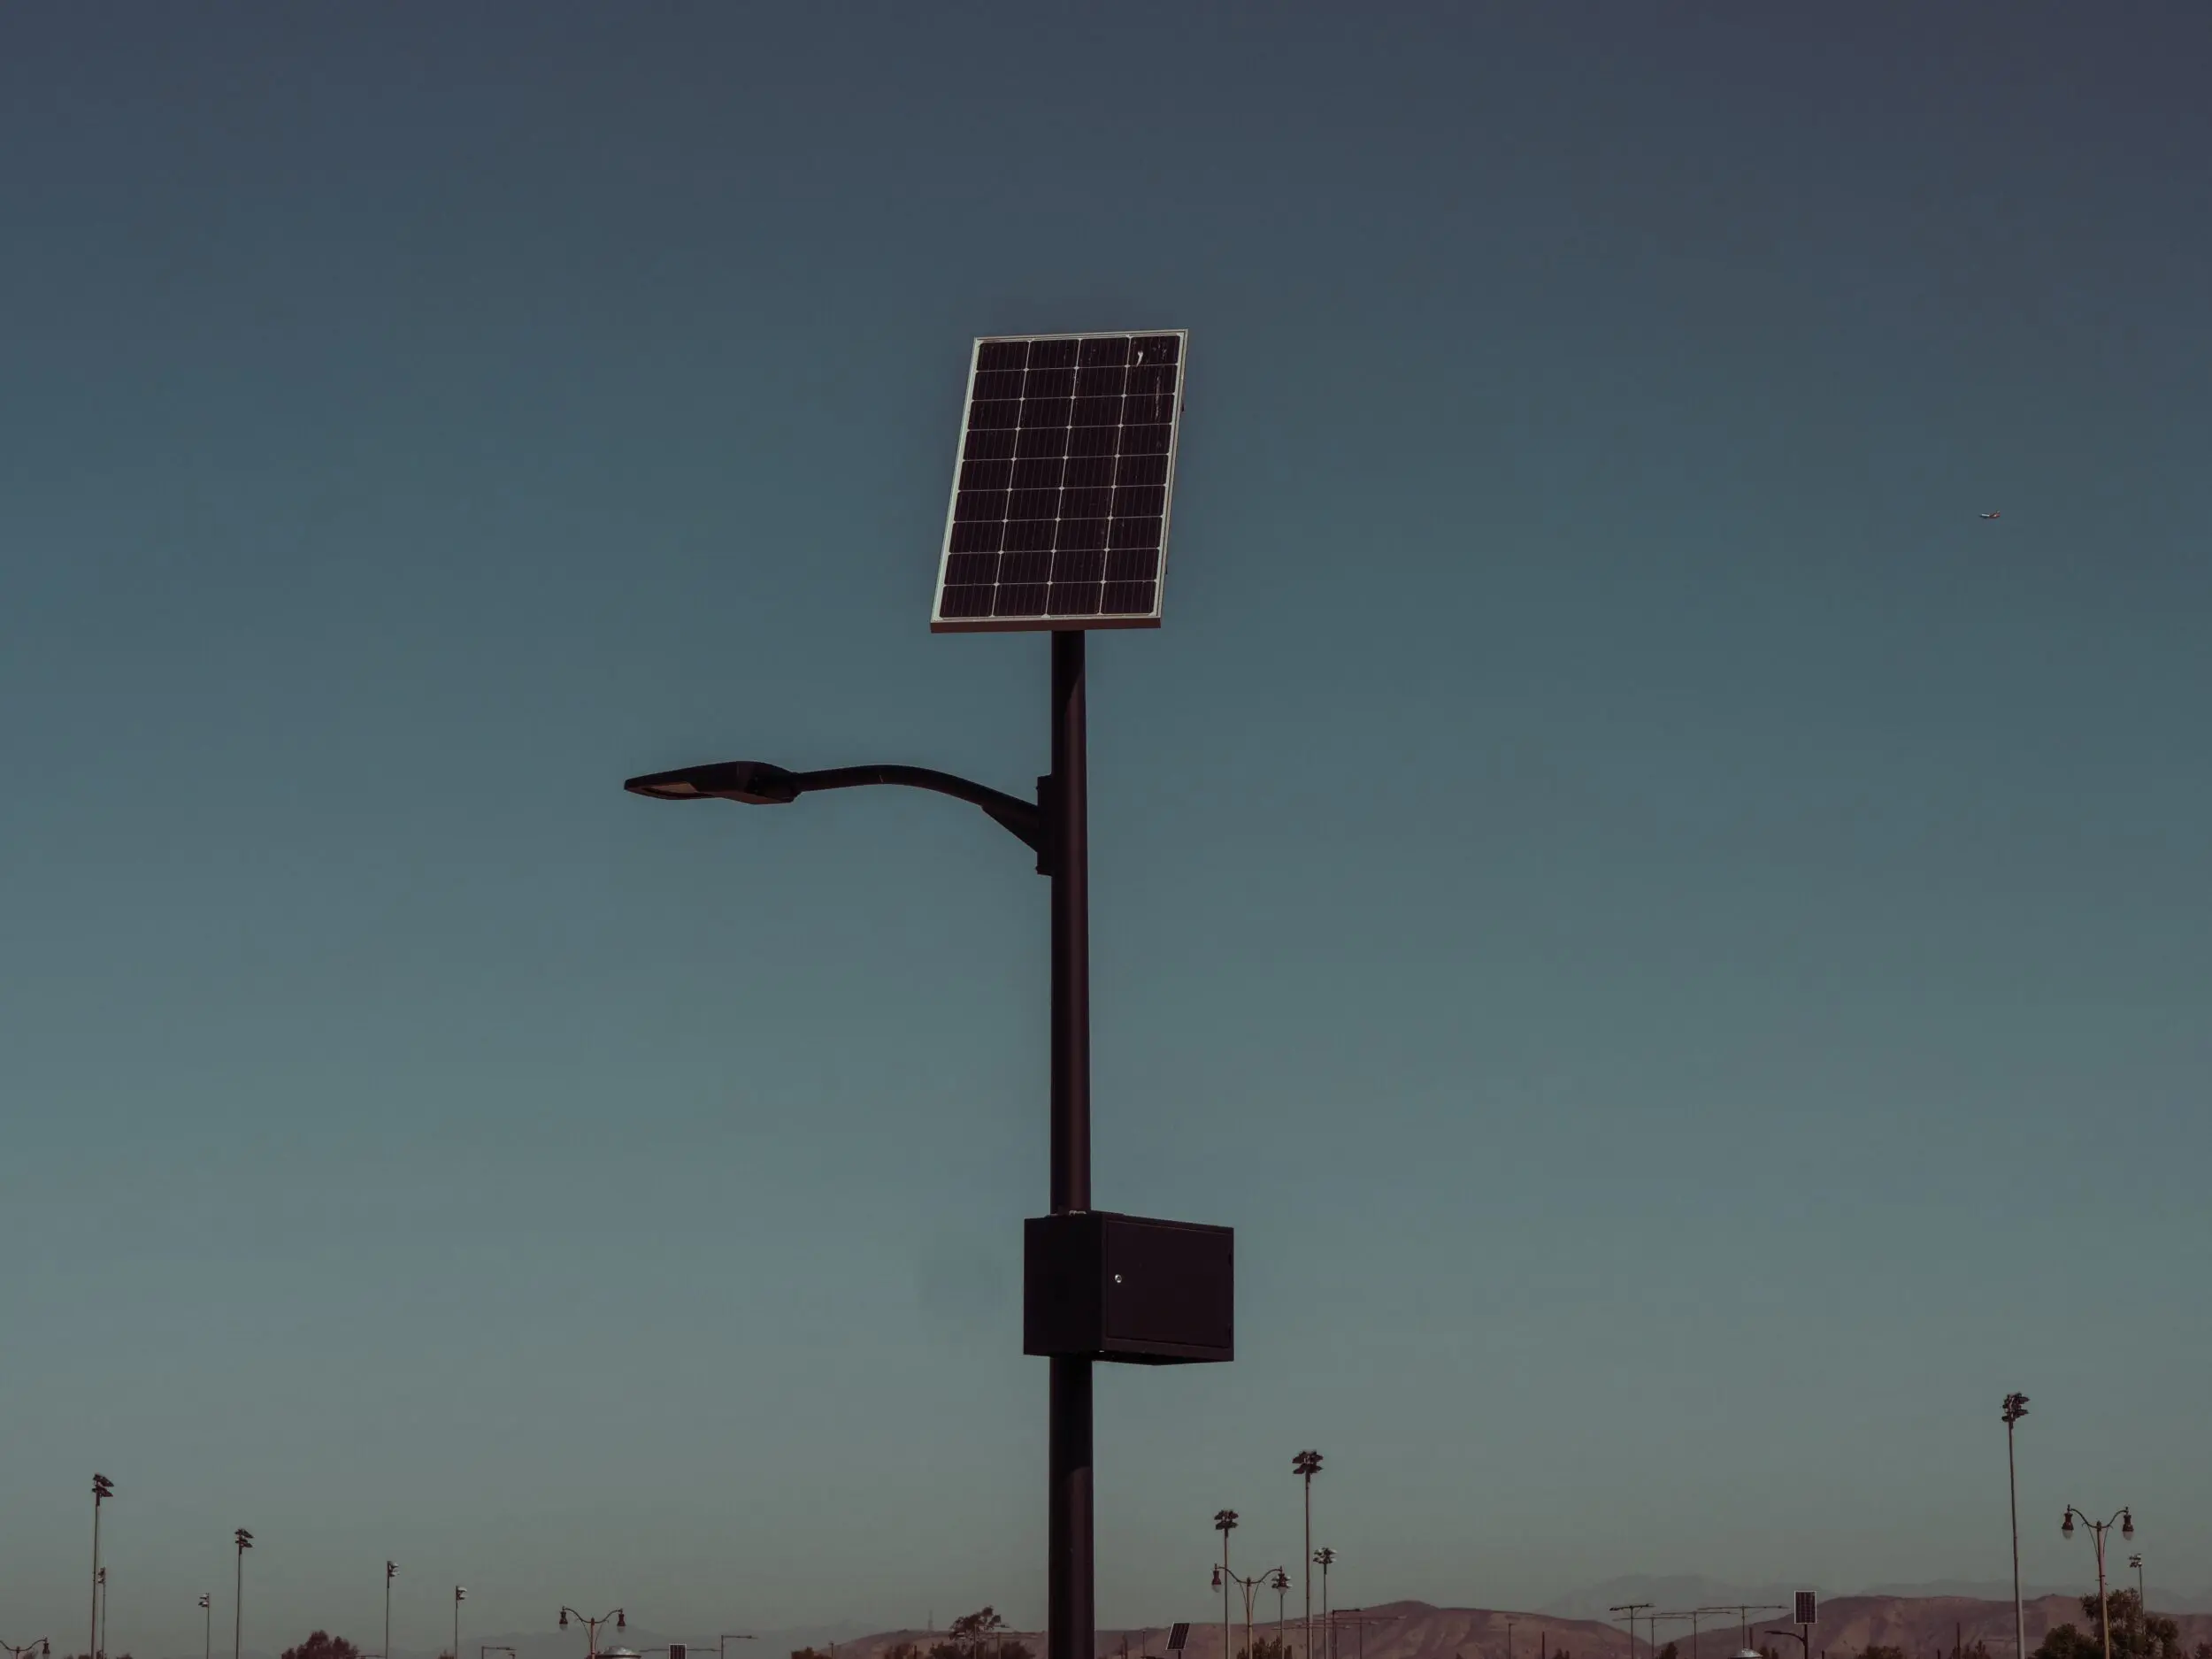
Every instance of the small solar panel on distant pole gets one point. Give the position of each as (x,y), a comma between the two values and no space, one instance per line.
(1176,1636)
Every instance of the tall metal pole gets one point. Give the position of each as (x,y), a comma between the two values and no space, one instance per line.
(238,1603)
(2104,1614)
(2015,1407)
(207,1626)
(1070,1584)
(391,1568)
(101,1488)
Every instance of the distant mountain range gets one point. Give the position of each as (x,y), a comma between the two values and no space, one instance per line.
(1923,1626)
(1925,1621)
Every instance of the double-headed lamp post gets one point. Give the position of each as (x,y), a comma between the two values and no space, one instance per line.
(2097,1528)
(591,1627)
(38,1649)
(1274,1578)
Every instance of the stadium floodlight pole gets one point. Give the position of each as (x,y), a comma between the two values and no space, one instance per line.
(2142,1599)
(591,1627)
(1308,1464)
(1225,1524)
(2097,1528)
(103,1489)
(244,1540)
(100,1583)
(1324,1558)
(207,1628)
(1281,1584)
(391,1571)
(2016,1407)
(459,1596)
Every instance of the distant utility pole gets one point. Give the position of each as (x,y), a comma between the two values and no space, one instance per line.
(1632,1608)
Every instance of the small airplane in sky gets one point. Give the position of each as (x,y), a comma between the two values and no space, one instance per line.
(1999,514)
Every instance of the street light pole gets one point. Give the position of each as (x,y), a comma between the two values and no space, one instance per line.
(2015,1407)
(459,1596)
(244,1540)
(1308,1464)
(391,1571)
(1064,796)
(207,1627)
(620,1617)
(2142,1600)
(1324,1558)
(2097,1528)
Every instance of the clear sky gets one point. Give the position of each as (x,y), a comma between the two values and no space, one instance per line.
(1682,950)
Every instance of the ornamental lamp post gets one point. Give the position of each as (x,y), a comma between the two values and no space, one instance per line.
(2097,1528)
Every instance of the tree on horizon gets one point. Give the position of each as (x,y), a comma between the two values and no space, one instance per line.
(2134,1636)
(322,1645)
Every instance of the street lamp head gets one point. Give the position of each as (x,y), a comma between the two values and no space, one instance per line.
(621,1619)
(754,782)
(1216,1584)
(2066,1527)
(2127,1524)
(2135,1560)
(2016,1407)
(1324,1556)
(563,1618)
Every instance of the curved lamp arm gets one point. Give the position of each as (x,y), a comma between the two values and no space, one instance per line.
(757,783)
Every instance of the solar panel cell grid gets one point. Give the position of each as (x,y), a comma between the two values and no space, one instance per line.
(1062,498)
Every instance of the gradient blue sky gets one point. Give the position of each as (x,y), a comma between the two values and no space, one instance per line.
(1682,951)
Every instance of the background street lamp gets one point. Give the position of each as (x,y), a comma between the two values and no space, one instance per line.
(1308,1464)
(103,1489)
(459,1596)
(39,1649)
(591,1627)
(2015,1407)
(2142,1599)
(244,1540)
(207,1628)
(1251,1588)
(1324,1558)
(391,1571)
(2097,1528)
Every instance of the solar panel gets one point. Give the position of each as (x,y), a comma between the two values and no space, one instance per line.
(1067,470)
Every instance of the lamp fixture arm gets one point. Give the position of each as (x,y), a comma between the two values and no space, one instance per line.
(1022,818)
